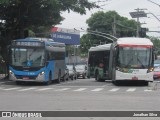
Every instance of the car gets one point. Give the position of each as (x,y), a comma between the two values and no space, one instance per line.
(72,72)
(157,63)
(81,71)
(156,74)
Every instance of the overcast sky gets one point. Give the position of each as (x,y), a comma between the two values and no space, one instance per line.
(123,7)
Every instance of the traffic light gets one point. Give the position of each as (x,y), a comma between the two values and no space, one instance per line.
(142,32)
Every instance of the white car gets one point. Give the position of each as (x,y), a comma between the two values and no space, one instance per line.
(81,71)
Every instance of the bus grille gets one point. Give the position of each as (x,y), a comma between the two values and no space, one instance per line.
(21,77)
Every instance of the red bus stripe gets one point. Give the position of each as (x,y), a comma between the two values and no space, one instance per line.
(130,45)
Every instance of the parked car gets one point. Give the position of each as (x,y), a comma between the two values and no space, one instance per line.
(156,69)
(72,72)
(81,71)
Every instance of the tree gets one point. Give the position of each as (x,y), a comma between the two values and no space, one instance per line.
(156,43)
(25,14)
(103,22)
(20,16)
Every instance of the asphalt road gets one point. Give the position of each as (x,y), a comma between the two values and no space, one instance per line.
(80,95)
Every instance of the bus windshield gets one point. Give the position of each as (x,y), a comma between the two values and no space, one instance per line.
(31,57)
(134,57)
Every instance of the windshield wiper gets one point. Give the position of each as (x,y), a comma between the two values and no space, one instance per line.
(140,62)
(129,62)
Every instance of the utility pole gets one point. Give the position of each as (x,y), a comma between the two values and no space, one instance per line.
(138,25)
(114,27)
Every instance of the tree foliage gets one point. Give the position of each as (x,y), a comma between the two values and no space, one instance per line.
(25,14)
(156,43)
(103,22)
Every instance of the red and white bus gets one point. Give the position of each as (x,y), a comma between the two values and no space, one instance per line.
(131,59)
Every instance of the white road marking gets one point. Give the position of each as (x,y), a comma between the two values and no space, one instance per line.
(97,89)
(147,90)
(63,89)
(131,89)
(80,89)
(114,89)
(27,89)
(43,89)
(12,88)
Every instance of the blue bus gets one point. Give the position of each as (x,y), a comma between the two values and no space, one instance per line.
(36,60)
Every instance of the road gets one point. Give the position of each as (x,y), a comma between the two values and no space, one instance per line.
(79,95)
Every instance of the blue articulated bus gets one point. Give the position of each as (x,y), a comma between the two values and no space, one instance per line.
(36,60)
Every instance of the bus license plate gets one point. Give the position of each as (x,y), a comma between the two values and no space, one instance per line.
(134,78)
(25,78)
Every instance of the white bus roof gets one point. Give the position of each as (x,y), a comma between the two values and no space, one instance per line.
(100,47)
(134,41)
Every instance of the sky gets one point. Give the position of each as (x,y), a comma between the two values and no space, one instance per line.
(123,8)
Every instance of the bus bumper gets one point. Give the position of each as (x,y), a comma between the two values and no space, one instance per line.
(126,76)
(39,78)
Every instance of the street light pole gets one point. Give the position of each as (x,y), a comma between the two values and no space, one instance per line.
(99,33)
(154,16)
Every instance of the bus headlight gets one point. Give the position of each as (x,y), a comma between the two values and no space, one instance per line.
(10,72)
(42,73)
(151,69)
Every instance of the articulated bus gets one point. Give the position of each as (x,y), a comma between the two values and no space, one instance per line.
(132,59)
(125,59)
(98,62)
(36,60)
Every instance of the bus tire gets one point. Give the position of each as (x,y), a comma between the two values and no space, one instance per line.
(49,80)
(145,83)
(97,76)
(59,77)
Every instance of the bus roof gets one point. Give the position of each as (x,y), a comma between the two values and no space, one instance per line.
(100,47)
(134,41)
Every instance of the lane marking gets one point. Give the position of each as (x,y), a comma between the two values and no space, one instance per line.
(63,89)
(131,89)
(80,89)
(27,89)
(97,89)
(114,89)
(12,88)
(147,90)
(43,89)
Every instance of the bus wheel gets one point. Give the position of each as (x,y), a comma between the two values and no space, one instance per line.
(49,81)
(59,78)
(97,76)
(146,83)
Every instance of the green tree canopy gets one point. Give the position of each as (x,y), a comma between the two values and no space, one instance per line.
(26,14)
(103,22)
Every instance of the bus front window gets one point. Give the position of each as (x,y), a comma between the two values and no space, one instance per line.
(134,57)
(27,57)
